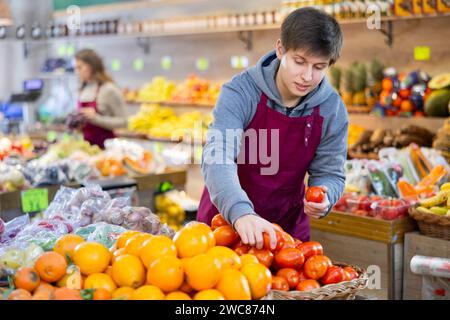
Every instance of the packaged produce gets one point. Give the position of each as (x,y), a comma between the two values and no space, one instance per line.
(101,232)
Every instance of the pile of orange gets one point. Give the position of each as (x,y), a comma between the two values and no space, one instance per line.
(110,167)
(142,266)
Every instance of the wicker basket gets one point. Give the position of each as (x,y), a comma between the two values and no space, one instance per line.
(432,225)
(340,291)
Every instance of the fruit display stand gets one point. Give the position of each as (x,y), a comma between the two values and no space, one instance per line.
(367,242)
(10,202)
(417,244)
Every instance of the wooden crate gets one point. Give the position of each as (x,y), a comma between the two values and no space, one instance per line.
(417,244)
(366,242)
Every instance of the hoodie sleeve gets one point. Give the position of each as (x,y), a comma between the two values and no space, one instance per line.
(327,167)
(233,112)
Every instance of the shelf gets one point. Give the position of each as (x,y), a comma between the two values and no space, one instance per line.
(173,104)
(143,136)
(275,26)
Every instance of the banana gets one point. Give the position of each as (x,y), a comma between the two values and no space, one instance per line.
(441,211)
(445,186)
(441,197)
(424,210)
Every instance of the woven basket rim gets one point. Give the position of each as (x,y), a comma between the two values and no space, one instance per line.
(342,289)
(443,221)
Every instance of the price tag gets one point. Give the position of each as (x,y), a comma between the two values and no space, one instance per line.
(116,65)
(166,63)
(138,64)
(202,64)
(70,51)
(51,136)
(62,50)
(34,200)
(422,53)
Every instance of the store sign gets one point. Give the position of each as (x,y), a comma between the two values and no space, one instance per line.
(202,64)
(166,63)
(34,200)
(239,62)
(138,64)
(422,53)
(116,65)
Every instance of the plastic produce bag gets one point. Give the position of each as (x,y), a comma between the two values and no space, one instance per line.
(357,177)
(13,227)
(19,254)
(101,232)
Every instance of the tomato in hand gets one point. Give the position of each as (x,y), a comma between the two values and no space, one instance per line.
(315,194)
(334,275)
(280,241)
(289,258)
(241,248)
(225,236)
(279,283)
(218,221)
(316,266)
(291,275)
(350,273)
(264,257)
(308,285)
(310,248)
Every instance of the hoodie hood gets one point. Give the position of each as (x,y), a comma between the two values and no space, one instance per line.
(263,74)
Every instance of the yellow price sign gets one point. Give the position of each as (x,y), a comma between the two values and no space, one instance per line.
(422,53)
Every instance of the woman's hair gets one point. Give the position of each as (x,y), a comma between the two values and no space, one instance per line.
(91,58)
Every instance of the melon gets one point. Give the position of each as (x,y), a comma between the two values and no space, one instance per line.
(437,102)
(440,81)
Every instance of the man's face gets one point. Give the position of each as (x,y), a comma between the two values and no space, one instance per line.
(300,73)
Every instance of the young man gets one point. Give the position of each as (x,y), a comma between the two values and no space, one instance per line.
(286,97)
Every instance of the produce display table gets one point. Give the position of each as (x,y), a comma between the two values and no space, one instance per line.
(417,244)
(367,242)
(10,202)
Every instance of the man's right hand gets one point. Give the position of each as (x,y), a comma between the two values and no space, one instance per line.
(251,228)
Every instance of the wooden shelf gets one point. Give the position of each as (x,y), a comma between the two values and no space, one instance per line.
(143,136)
(173,104)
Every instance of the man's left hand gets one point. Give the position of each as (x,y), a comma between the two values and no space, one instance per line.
(317,210)
(88,113)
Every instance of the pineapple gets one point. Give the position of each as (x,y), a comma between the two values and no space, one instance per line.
(348,91)
(335,77)
(360,82)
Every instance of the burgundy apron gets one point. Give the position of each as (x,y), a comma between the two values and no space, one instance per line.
(277,198)
(92,133)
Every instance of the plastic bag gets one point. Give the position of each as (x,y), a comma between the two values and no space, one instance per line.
(357,177)
(19,254)
(101,232)
(13,227)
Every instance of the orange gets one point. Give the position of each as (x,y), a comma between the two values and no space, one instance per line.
(234,286)
(19,294)
(123,293)
(178,295)
(73,279)
(101,294)
(117,253)
(203,272)
(43,295)
(26,278)
(100,280)
(387,84)
(148,293)
(134,244)
(128,271)
(45,287)
(66,244)
(228,258)
(91,257)
(123,238)
(67,294)
(193,240)
(210,294)
(248,258)
(406,106)
(166,273)
(259,279)
(51,266)
(156,247)
(207,230)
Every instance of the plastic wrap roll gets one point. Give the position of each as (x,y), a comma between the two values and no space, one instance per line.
(430,266)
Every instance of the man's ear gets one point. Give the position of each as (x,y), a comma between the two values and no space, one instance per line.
(279,49)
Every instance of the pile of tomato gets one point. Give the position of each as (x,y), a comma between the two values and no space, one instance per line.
(295,265)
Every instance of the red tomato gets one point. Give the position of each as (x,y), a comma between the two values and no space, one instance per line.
(310,248)
(241,248)
(315,194)
(316,266)
(291,275)
(280,241)
(277,227)
(297,242)
(308,285)
(351,273)
(302,276)
(279,283)
(288,238)
(289,258)
(225,236)
(218,221)
(334,275)
(264,257)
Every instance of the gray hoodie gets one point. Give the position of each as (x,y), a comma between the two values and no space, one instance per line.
(235,109)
